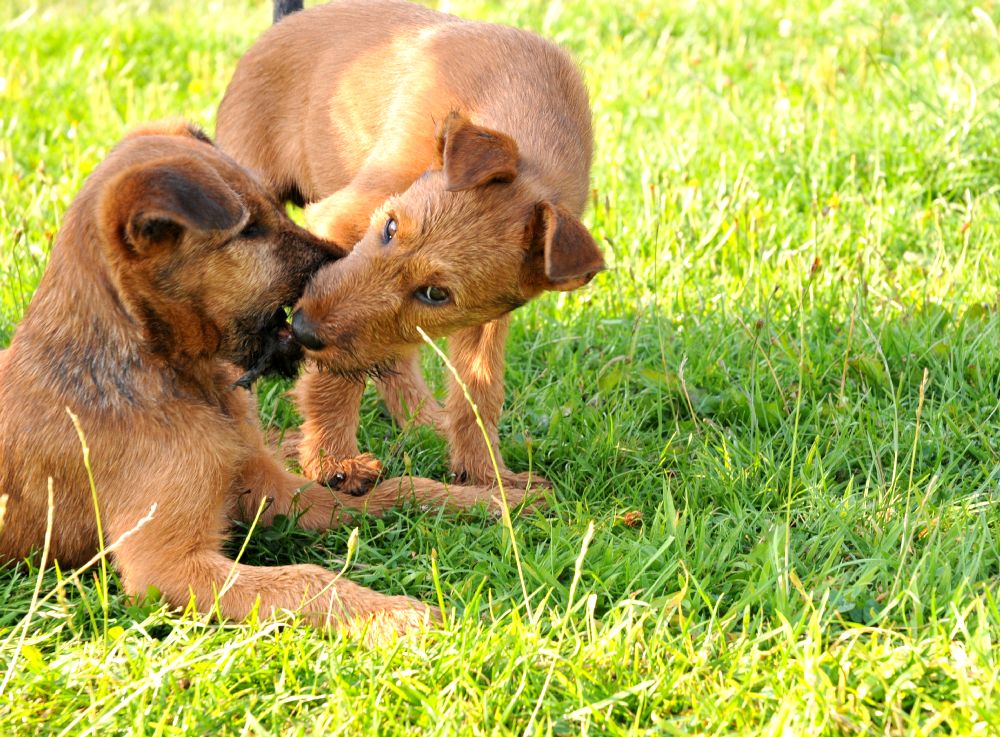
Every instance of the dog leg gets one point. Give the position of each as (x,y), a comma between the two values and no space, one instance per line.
(328,447)
(323,505)
(407,396)
(176,548)
(429,494)
(266,489)
(232,590)
(477,354)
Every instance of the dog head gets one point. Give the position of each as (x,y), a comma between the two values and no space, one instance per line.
(201,255)
(468,242)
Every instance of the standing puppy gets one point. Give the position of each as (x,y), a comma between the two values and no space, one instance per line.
(458,153)
(168,279)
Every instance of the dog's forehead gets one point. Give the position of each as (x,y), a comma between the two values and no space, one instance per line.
(244,181)
(429,208)
(422,201)
(152,146)
(442,249)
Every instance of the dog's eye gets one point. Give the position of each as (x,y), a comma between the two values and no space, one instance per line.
(389,230)
(433,296)
(253,229)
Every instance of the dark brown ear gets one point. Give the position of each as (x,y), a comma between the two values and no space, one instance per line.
(471,155)
(152,205)
(562,254)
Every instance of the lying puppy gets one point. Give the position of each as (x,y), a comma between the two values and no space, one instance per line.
(168,279)
(459,154)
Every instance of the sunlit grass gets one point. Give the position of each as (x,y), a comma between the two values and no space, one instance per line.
(801,208)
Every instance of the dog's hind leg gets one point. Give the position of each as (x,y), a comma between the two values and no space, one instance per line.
(176,548)
(285,7)
(232,590)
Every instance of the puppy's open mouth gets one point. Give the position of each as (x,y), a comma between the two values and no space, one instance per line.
(283,330)
(267,347)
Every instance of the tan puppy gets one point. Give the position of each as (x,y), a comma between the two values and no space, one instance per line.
(168,277)
(459,154)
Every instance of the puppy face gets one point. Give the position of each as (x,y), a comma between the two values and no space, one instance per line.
(204,258)
(467,243)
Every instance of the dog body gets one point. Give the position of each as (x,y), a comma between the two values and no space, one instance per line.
(458,154)
(168,279)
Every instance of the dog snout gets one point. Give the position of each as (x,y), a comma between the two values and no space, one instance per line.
(304,331)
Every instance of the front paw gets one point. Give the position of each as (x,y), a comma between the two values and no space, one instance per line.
(355,476)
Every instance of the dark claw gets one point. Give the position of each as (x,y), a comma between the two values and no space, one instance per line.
(337,480)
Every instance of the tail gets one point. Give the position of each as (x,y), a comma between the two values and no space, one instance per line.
(285,7)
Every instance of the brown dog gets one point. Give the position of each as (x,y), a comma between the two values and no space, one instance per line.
(479,136)
(169,275)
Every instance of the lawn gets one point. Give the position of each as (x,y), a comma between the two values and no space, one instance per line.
(773,424)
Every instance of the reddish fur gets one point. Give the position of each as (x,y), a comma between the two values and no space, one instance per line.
(130,329)
(477,139)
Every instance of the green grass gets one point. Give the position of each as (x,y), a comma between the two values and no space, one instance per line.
(791,371)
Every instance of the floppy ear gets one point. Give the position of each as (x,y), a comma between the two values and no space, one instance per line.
(471,155)
(562,254)
(170,127)
(152,205)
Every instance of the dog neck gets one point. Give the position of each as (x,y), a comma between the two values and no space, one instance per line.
(99,354)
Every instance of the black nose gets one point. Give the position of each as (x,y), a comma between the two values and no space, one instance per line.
(305,332)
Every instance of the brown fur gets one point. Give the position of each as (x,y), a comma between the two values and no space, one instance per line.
(162,285)
(476,140)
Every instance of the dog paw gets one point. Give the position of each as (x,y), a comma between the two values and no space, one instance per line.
(355,476)
(388,624)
